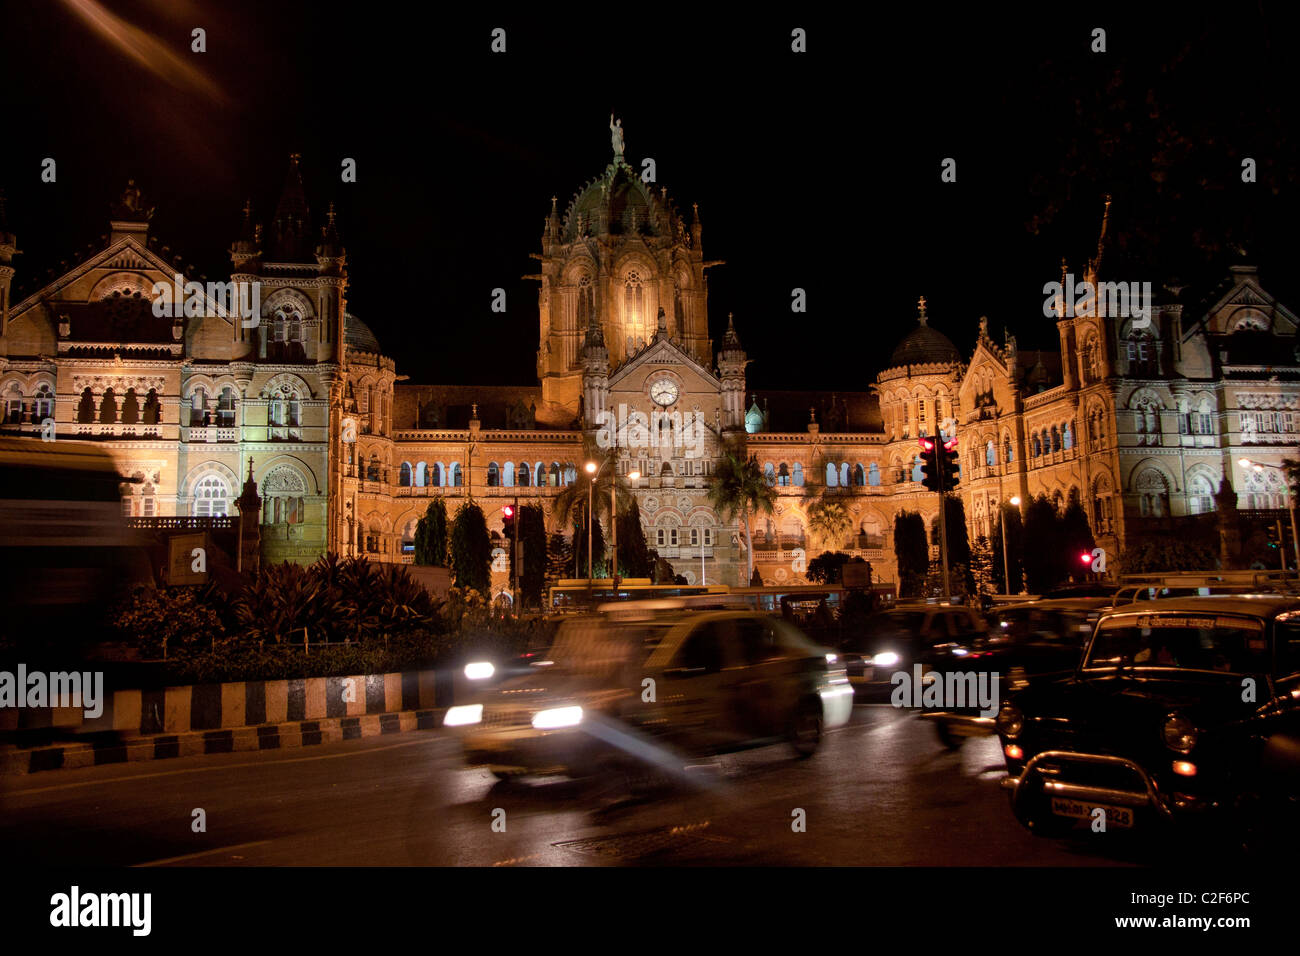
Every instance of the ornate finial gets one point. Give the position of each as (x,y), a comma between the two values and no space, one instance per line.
(921,317)
(984,326)
(248,209)
(250,467)
(812,415)
(473,413)
(554,200)
(695,209)
(330,214)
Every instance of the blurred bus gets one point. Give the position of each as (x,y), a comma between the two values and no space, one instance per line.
(64,544)
(579,594)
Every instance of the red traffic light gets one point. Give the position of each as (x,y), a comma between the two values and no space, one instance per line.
(951,444)
(927,444)
(508,511)
(1086,557)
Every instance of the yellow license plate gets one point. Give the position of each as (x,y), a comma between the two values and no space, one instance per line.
(1115,816)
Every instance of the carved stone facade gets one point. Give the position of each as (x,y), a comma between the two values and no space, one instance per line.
(1141,424)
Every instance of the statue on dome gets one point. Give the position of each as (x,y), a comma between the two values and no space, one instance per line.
(616,137)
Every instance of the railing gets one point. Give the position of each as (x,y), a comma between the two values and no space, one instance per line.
(102,430)
(210,433)
(183,523)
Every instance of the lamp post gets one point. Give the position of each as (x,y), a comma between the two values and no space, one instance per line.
(1259,466)
(1006,564)
(592,470)
(613,522)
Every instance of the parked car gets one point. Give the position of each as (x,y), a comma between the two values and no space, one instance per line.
(1032,640)
(1180,711)
(895,640)
(652,688)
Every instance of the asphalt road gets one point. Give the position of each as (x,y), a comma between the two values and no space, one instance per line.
(881,791)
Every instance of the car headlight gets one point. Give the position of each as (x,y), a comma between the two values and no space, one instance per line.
(887,659)
(832,659)
(1010,720)
(1179,733)
(462,715)
(479,670)
(557,717)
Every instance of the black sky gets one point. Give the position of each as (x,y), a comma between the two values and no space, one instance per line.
(818,171)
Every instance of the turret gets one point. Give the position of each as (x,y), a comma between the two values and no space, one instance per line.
(731,369)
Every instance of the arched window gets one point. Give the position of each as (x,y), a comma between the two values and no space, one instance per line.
(990,454)
(916,469)
(1056,439)
(508,475)
(1101,505)
(1038,446)
(1204,418)
(404,476)
(1264,490)
(1200,495)
(211,497)
(372,468)
(554,475)
(634,307)
(130,408)
(783,475)
(284,496)
(798,475)
(586,302)
(1153,494)
(152,408)
(421,474)
(832,475)
(769,473)
(1008,453)
(457,479)
(108,408)
(844,474)
(1067,437)
(493,475)
(523,475)
(226,408)
(198,408)
(859,476)
(43,403)
(435,474)
(873,475)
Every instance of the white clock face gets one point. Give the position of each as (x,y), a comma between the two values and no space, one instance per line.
(664,392)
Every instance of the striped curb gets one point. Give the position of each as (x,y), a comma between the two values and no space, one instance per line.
(284,736)
(179,710)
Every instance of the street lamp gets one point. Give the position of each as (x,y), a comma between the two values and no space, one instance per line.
(1006,564)
(1259,466)
(613,521)
(594,471)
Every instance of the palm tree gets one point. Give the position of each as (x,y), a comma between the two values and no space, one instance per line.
(571,503)
(829,522)
(738,487)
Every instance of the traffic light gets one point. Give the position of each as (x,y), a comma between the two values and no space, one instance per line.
(508,523)
(949,464)
(929,464)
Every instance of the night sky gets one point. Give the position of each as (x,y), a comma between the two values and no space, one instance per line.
(818,171)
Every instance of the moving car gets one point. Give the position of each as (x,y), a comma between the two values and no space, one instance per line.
(1031,640)
(648,686)
(1180,711)
(895,640)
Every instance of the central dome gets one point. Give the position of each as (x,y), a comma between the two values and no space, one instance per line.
(924,346)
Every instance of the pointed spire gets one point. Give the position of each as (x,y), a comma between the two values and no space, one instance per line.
(289,227)
(731,340)
(921,316)
(1101,240)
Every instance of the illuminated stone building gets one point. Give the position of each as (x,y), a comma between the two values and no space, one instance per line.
(1140,424)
